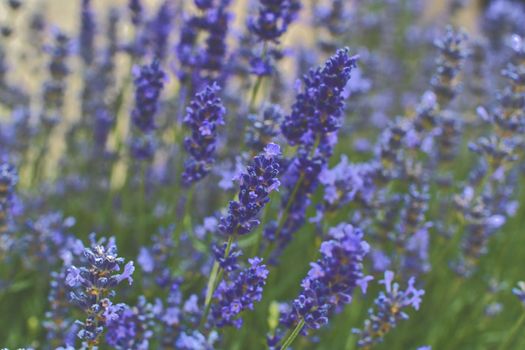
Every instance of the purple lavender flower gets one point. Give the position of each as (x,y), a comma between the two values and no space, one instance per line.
(332,279)
(452,54)
(49,240)
(217,26)
(330,282)
(204,114)
(256,184)
(227,263)
(135,7)
(318,107)
(149,82)
(312,124)
(154,260)
(132,327)
(54,87)
(87,33)
(160,29)
(201,64)
(60,328)
(389,310)
(196,340)
(238,295)
(92,286)
(274,18)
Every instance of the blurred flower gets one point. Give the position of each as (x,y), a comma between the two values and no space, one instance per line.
(389,310)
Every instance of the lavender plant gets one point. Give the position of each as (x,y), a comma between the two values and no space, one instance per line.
(144,118)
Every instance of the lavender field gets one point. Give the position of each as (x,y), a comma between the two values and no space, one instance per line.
(262,174)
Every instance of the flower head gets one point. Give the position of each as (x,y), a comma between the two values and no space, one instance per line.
(204,114)
(389,309)
(256,184)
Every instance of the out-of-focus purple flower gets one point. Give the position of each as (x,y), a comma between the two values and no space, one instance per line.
(154,259)
(200,65)
(195,340)
(131,327)
(87,33)
(58,324)
(452,54)
(149,82)
(160,28)
(388,310)
(273,19)
(204,114)
(54,87)
(135,7)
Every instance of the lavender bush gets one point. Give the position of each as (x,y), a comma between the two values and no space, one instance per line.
(262,174)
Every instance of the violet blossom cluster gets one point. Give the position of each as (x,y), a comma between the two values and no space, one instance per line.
(389,310)
(93,286)
(149,82)
(204,114)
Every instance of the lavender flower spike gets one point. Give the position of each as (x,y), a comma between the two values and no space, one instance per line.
(389,310)
(239,295)
(274,18)
(318,108)
(93,286)
(149,81)
(329,285)
(256,184)
(204,114)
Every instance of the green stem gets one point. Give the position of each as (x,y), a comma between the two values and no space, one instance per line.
(258,82)
(186,219)
(214,280)
(508,339)
(289,340)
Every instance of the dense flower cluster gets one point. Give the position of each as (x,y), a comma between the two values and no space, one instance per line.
(198,63)
(132,327)
(93,286)
(204,114)
(149,82)
(256,184)
(256,228)
(239,295)
(315,117)
(318,107)
(389,310)
(54,88)
(274,18)
(331,280)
